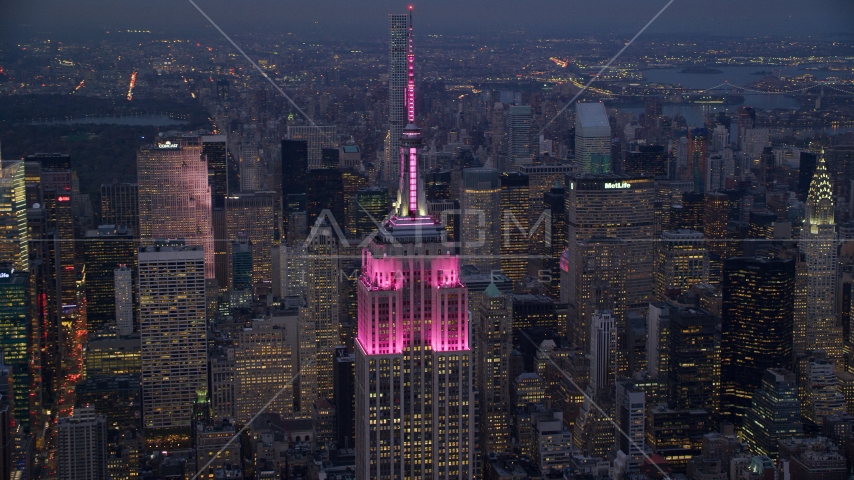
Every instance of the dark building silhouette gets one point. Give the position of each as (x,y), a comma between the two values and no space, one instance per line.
(757,322)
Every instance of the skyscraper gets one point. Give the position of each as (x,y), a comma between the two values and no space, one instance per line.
(294,166)
(414,395)
(397,80)
(519,149)
(251,168)
(123,287)
(481,226)
(617,206)
(514,225)
(263,366)
(174,196)
(698,151)
(820,329)
(318,321)
(174,365)
(317,138)
(774,413)
(215,149)
(253,214)
(603,351)
(592,138)
(694,376)
(647,160)
(104,250)
(683,261)
(494,343)
(595,282)
(14,238)
(120,205)
(82,452)
(13,338)
(757,315)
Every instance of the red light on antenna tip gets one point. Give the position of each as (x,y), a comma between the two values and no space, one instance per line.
(410,7)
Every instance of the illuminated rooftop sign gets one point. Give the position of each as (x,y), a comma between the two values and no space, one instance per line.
(609,185)
(168,145)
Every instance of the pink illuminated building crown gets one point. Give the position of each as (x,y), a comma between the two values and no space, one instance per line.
(410,293)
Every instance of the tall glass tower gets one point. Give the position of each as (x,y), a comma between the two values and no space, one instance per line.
(397,74)
(414,396)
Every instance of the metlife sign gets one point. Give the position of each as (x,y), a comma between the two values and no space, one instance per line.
(617,185)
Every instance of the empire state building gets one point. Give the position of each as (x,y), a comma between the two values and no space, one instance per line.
(414,400)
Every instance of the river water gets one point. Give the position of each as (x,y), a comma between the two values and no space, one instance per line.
(139,120)
(740,75)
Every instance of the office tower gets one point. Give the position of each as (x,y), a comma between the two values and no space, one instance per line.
(329,157)
(806,170)
(715,173)
(694,377)
(597,282)
(123,298)
(618,206)
(494,342)
(263,361)
(698,151)
(519,149)
(210,437)
(56,183)
(294,166)
(172,299)
(372,207)
(720,138)
(251,168)
(530,311)
(481,225)
(318,321)
(820,388)
(746,120)
(629,435)
(592,138)
(174,196)
(344,373)
(7,437)
(14,247)
(397,80)
(554,238)
(325,197)
(223,368)
(715,222)
(352,182)
(497,129)
(215,149)
(603,350)
(120,205)
(241,278)
(819,329)
(13,338)
(104,250)
(253,215)
(317,138)
(651,160)
(774,413)
(683,261)
(757,317)
(541,179)
(82,445)
(219,219)
(414,395)
(514,225)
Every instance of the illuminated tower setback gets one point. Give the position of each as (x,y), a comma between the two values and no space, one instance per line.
(819,329)
(174,196)
(414,396)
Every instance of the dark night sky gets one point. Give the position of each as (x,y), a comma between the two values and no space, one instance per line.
(366,18)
